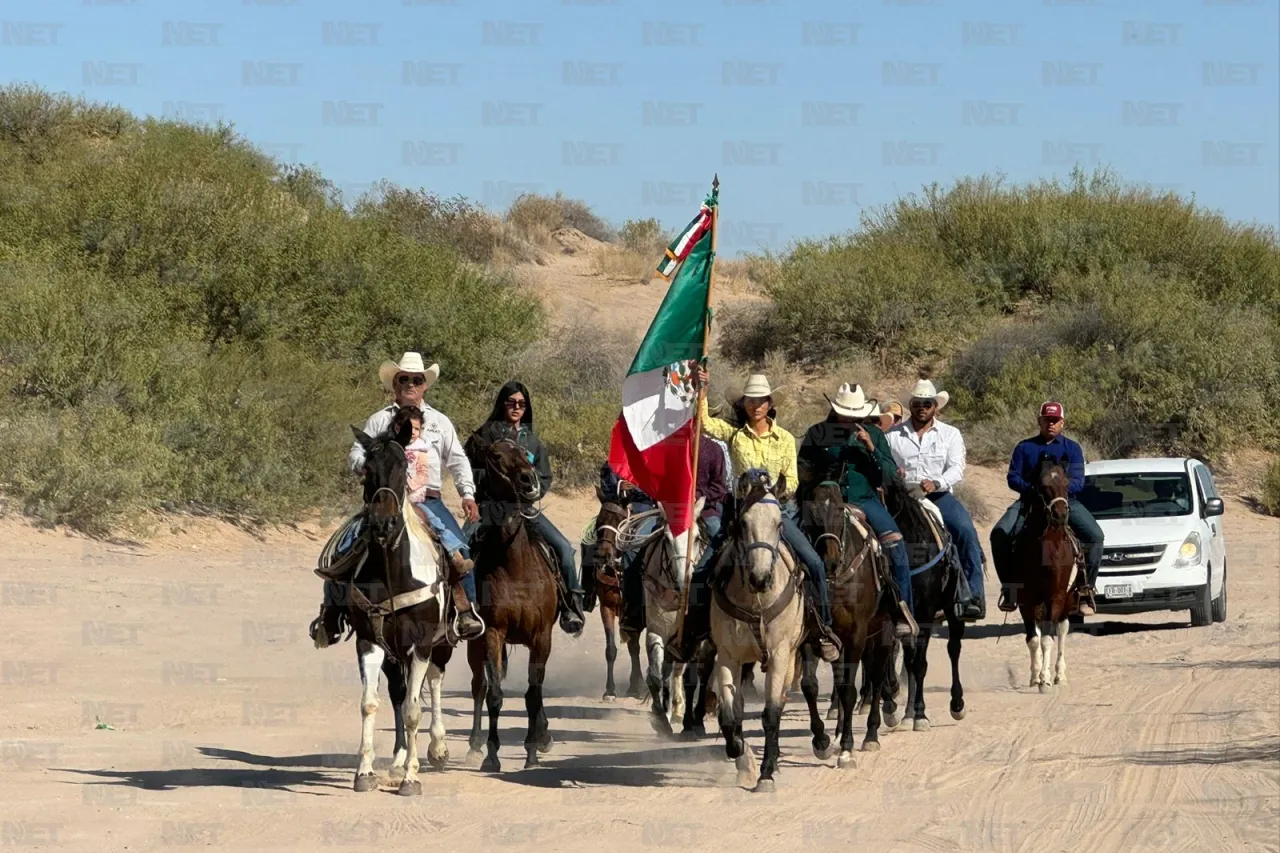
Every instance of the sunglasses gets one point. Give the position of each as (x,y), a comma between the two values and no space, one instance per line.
(410,380)
(516,404)
(923,404)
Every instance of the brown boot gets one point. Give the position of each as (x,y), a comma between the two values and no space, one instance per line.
(1086,605)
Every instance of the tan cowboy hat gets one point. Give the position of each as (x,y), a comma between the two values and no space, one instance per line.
(757,386)
(411,363)
(924,390)
(851,401)
(893,407)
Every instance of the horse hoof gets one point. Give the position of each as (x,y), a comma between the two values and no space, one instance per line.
(694,733)
(491,765)
(395,775)
(920,725)
(609,697)
(891,721)
(438,762)
(546,745)
(846,761)
(958,715)
(833,713)
(410,789)
(823,753)
(531,760)
(1044,688)
(365,783)
(474,758)
(871,746)
(765,786)
(661,725)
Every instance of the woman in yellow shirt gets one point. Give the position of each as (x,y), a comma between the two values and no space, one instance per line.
(756,441)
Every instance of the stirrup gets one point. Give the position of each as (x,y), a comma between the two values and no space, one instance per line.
(911,619)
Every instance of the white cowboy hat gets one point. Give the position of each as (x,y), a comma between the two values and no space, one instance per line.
(851,401)
(757,386)
(924,390)
(411,363)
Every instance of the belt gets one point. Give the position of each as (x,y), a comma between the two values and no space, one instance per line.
(431,494)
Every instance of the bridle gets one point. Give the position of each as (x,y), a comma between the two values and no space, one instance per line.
(743,549)
(1050,503)
(522,500)
(615,559)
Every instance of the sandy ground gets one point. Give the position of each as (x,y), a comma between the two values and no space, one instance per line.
(229,730)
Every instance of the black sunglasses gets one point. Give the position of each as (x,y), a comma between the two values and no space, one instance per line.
(410,380)
(516,404)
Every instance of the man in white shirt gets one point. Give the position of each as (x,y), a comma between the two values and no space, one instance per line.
(930,454)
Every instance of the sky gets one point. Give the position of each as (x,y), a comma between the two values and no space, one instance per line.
(812,112)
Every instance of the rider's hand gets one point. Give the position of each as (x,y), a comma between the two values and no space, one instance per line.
(700,378)
(865,438)
(929,486)
(470,509)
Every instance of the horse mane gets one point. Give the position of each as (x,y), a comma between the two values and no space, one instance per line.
(907,512)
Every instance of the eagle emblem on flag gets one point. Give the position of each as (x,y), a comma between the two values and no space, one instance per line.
(679,376)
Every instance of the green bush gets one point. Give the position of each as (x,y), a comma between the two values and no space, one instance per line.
(1271,488)
(535,216)
(645,236)
(457,223)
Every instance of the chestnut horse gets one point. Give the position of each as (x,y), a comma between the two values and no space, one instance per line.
(517,590)
(606,566)
(1045,557)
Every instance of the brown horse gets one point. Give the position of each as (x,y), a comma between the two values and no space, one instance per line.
(855,567)
(607,574)
(1046,557)
(517,588)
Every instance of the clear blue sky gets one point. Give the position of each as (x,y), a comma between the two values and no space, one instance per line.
(812,111)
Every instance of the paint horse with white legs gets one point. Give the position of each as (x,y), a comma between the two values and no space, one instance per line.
(397,609)
(757,615)
(663,565)
(1046,561)
(602,570)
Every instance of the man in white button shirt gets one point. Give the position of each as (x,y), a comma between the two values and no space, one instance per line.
(930,454)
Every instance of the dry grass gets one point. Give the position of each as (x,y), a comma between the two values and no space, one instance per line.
(618,263)
(535,217)
(969,498)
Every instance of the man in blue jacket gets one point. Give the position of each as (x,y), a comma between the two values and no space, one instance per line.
(1026,457)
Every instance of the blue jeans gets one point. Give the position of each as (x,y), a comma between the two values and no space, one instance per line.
(1081,521)
(446,526)
(882,524)
(960,526)
(564,551)
(804,551)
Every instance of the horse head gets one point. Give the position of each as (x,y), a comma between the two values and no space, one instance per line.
(385,478)
(1052,482)
(759,527)
(512,477)
(826,508)
(677,547)
(611,514)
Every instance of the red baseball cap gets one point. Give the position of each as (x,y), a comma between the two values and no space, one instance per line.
(1051,410)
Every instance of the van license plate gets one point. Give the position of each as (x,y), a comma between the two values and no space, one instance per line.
(1122,590)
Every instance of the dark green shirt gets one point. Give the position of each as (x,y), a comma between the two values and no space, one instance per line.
(831,451)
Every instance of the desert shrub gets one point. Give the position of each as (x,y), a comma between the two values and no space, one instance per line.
(535,216)
(746,331)
(618,263)
(644,236)
(969,498)
(457,223)
(1271,488)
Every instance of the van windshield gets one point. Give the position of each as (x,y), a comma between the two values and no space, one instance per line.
(1136,495)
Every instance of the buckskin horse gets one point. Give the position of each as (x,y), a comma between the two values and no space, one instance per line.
(1045,560)
(397,611)
(607,575)
(854,566)
(518,591)
(757,614)
(935,571)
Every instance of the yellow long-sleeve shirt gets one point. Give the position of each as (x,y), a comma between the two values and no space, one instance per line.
(775,451)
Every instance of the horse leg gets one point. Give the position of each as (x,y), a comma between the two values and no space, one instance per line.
(955,635)
(438,751)
(916,657)
(776,681)
(822,747)
(656,680)
(876,665)
(610,621)
(493,678)
(728,676)
(635,689)
(845,691)
(370,664)
(412,702)
(538,739)
(397,690)
(1032,631)
(689,693)
(890,685)
(476,660)
(1060,671)
(748,689)
(1047,632)
(703,672)
(833,710)
(677,691)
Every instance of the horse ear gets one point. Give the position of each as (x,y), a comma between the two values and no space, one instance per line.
(781,488)
(362,437)
(697,508)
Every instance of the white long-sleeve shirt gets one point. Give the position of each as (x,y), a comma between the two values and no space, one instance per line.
(938,455)
(439,434)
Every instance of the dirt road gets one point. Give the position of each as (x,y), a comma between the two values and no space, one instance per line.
(229,730)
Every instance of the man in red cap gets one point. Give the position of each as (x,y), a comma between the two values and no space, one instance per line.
(1026,457)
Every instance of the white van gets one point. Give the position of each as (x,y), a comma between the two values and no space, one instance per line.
(1163,545)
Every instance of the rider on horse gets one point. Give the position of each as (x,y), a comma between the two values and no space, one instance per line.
(512,419)
(932,455)
(756,441)
(849,448)
(1026,457)
(410,380)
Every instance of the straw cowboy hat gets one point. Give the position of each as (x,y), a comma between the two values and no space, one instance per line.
(924,390)
(851,401)
(757,386)
(411,363)
(894,408)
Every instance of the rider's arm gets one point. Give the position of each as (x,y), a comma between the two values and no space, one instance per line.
(455,460)
(713,426)
(953,467)
(1075,468)
(1016,481)
(542,463)
(790,469)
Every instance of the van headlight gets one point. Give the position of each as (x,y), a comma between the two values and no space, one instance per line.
(1189,553)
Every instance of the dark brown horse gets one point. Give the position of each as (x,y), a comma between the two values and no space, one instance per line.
(517,589)
(1045,559)
(606,567)
(397,608)
(854,570)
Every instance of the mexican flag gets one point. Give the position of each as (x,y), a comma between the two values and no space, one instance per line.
(652,443)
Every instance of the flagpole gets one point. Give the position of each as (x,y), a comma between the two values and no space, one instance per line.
(697,422)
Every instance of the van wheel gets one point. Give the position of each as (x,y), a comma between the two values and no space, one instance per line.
(1200,611)
(1219,607)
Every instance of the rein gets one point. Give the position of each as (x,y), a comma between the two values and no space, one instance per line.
(758,618)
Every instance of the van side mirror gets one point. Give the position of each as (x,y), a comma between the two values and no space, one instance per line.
(1214,506)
